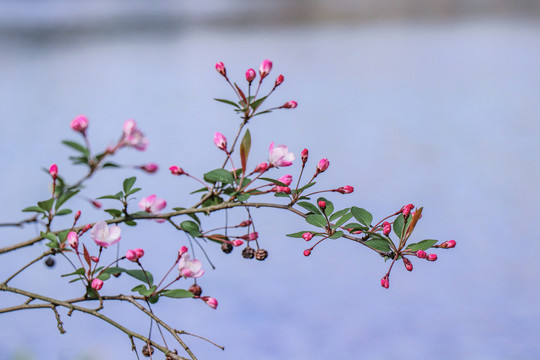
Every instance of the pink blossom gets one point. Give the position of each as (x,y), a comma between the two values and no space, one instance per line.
(133,136)
(131,255)
(221,141)
(221,68)
(421,254)
(80,123)
(77,215)
(237,242)
(53,170)
(97,284)
(265,68)
(347,189)
(96,204)
(94,259)
(448,244)
(304,155)
(73,239)
(286,179)
(253,236)
(210,301)
(407,209)
(245,223)
(175,170)
(182,251)
(386,228)
(290,105)
(322,165)
(431,257)
(280,156)
(385,282)
(322,204)
(85,228)
(262,167)
(152,205)
(150,168)
(279,80)
(307,236)
(190,268)
(140,252)
(407,263)
(307,252)
(105,235)
(250,75)
(282,189)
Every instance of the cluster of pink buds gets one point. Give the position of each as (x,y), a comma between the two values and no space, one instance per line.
(406,210)
(307,236)
(421,254)
(133,136)
(386,228)
(135,254)
(385,281)
(281,189)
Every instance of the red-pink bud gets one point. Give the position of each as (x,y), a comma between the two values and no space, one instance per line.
(237,242)
(73,239)
(221,69)
(175,170)
(250,75)
(386,228)
(96,204)
(85,228)
(347,189)
(290,104)
(94,259)
(53,170)
(305,154)
(279,80)
(221,141)
(265,68)
(286,179)
(407,263)
(322,165)
(385,282)
(253,236)
(421,254)
(262,167)
(149,168)
(307,252)
(140,252)
(80,123)
(307,236)
(431,257)
(77,215)
(97,284)
(407,209)
(448,244)
(182,251)
(322,204)
(245,223)
(210,301)
(131,255)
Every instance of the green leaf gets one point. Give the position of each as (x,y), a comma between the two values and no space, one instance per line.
(128,184)
(309,207)
(307,186)
(356,226)
(228,102)
(329,206)
(110,164)
(79,271)
(33,209)
(336,235)
(46,204)
(191,227)
(64,197)
(62,235)
(362,215)
(140,275)
(76,146)
(245,147)
(130,223)
(153,299)
(50,235)
(104,276)
(281,195)
(177,293)
(338,214)
(114,212)
(114,270)
(398,225)
(63,212)
(297,234)
(243,197)
(53,244)
(343,220)
(133,191)
(379,244)
(118,196)
(262,112)
(316,220)
(278,183)
(421,245)
(254,105)
(212,200)
(219,175)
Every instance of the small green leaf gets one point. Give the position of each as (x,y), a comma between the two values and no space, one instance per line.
(316,220)
(228,102)
(114,270)
(64,212)
(76,146)
(343,220)
(243,197)
(297,234)
(46,204)
(104,276)
(356,226)
(114,212)
(379,244)
(79,271)
(307,186)
(219,175)
(110,164)
(398,225)
(128,184)
(50,235)
(133,191)
(140,275)
(33,209)
(309,207)
(336,235)
(191,227)
(254,105)
(212,200)
(177,293)
(281,195)
(278,183)
(362,215)
(62,235)
(117,196)
(421,245)
(130,223)
(153,299)
(338,214)
(64,197)
(53,244)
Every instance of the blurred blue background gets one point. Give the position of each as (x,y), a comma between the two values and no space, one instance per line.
(434,103)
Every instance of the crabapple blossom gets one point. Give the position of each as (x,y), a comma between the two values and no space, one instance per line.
(407,209)
(307,236)
(237,242)
(73,239)
(97,284)
(189,268)
(304,155)
(279,80)
(221,141)
(385,282)
(175,170)
(182,251)
(53,170)
(131,255)
(307,252)
(152,205)
(386,228)
(286,179)
(221,68)
(322,165)
(262,167)
(322,204)
(431,257)
(250,75)
(105,235)
(149,168)
(448,244)
(347,189)
(265,68)
(290,105)
(80,123)
(421,254)
(280,156)
(210,301)
(133,136)
(282,189)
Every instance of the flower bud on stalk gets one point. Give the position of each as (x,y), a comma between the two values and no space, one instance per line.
(421,254)
(322,165)
(237,242)
(407,210)
(221,69)
(322,204)
(182,251)
(279,80)
(307,252)
(448,244)
(431,257)
(73,239)
(245,223)
(386,228)
(262,167)
(175,170)
(307,236)
(250,75)
(80,124)
(347,189)
(385,282)
(149,168)
(286,179)
(77,215)
(407,263)
(210,301)
(221,141)
(304,155)
(85,229)
(96,204)
(97,284)
(53,170)
(290,105)
(265,68)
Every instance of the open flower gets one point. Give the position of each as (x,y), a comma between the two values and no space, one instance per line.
(152,205)
(189,268)
(105,235)
(280,156)
(133,136)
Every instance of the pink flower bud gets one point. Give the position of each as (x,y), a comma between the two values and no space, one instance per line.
(250,75)
(149,168)
(94,259)
(182,251)
(322,204)
(347,189)
(407,263)
(385,282)
(97,284)
(282,189)
(221,141)
(279,80)
(286,179)
(53,170)
(253,236)
(386,228)
(73,239)
(245,223)
(140,252)
(77,215)
(221,69)
(262,167)
(322,165)
(175,170)
(265,68)
(80,123)
(131,255)
(448,244)
(307,252)
(304,155)
(210,301)
(237,242)
(421,254)
(431,257)
(407,209)
(307,236)
(290,105)
(85,229)
(96,204)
